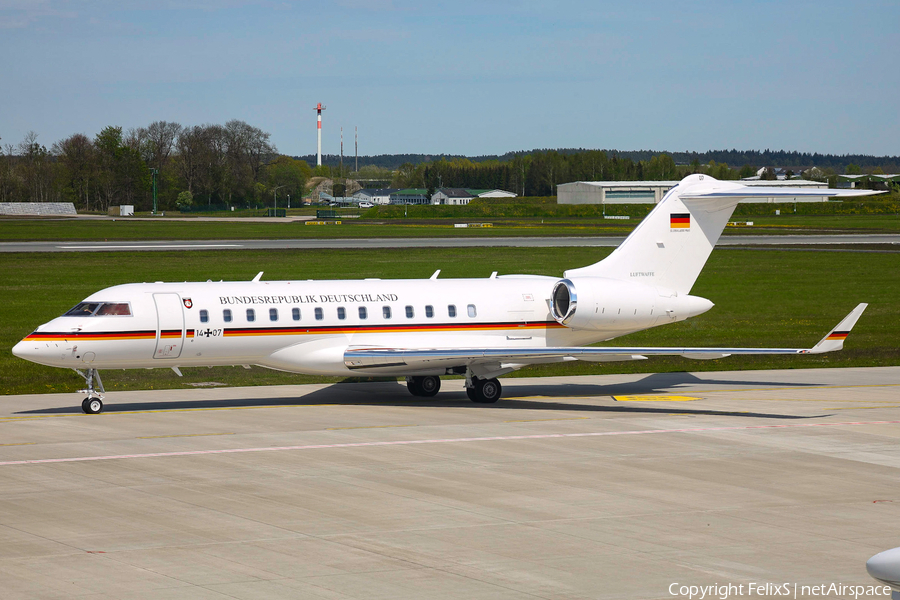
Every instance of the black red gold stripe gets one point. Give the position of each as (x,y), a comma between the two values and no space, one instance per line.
(680,220)
(169,334)
(837,335)
(420,328)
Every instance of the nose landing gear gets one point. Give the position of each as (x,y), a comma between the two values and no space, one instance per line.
(93,404)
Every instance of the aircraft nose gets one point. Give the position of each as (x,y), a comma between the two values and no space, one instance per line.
(21,349)
(27,350)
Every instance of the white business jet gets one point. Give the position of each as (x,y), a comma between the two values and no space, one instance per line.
(420,329)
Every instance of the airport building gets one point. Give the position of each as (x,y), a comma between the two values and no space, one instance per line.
(410,196)
(875,182)
(462,196)
(375,196)
(651,192)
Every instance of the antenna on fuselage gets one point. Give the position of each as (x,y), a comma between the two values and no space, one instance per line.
(258,276)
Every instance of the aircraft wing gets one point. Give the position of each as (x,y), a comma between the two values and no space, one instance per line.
(388,360)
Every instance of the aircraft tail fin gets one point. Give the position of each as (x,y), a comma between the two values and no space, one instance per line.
(669,248)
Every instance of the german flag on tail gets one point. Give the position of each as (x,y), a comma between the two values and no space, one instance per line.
(680,220)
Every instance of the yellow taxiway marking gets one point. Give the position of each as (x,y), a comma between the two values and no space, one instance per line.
(21,444)
(153,437)
(367,427)
(538,420)
(861,407)
(654,398)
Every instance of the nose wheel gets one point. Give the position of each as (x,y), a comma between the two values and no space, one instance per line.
(93,404)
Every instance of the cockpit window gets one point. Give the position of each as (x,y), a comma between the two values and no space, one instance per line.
(100,309)
(114,308)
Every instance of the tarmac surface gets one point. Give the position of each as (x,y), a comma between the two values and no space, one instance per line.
(588,487)
(431,242)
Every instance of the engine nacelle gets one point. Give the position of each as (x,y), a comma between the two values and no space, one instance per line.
(597,303)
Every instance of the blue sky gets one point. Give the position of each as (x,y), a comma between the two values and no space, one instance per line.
(462,77)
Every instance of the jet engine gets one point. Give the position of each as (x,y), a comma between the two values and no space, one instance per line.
(598,303)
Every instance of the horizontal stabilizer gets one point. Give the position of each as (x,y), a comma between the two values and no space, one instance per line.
(758,191)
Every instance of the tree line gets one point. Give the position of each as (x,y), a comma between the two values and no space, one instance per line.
(796,161)
(231,164)
(539,173)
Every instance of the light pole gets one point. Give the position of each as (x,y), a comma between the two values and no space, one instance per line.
(275,192)
(153,174)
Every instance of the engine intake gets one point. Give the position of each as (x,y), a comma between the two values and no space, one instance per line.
(563,301)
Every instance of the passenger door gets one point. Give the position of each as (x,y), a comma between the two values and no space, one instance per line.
(169,326)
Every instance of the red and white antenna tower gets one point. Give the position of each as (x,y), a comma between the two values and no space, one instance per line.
(319,108)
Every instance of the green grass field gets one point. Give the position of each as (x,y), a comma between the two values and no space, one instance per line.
(167,229)
(763,298)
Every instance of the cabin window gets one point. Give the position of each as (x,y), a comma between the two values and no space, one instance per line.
(226,315)
(342,313)
(429,311)
(295,314)
(363,314)
(251,315)
(273,314)
(204,316)
(471,310)
(410,313)
(386,312)
(451,310)
(319,314)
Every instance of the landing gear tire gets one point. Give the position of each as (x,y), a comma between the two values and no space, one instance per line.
(423,386)
(92,406)
(486,391)
(412,384)
(430,386)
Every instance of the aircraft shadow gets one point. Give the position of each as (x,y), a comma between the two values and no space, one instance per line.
(548,397)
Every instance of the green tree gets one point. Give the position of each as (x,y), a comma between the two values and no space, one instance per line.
(185,200)
(661,168)
(77,157)
(289,174)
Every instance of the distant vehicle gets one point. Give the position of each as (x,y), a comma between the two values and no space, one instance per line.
(366,204)
(335,204)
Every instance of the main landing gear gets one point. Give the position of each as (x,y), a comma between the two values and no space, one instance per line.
(423,386)
(482,391)
(93,404)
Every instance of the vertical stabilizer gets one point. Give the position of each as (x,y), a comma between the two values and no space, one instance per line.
(670,246)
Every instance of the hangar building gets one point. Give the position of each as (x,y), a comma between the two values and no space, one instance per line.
(651,192)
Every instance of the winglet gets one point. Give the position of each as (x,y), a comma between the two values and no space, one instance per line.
(835,338)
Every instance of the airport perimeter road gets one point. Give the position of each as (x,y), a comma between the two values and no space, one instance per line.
(434,242)
(586,487)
